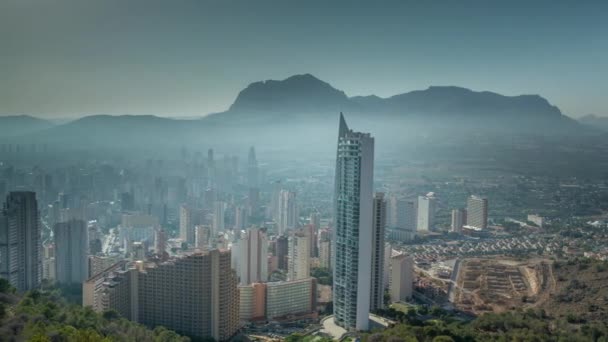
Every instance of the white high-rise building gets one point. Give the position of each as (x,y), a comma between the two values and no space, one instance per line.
(477,212)
(325,254)
(426,212)
(288,212)
(188,218)
(377,290)
(353,216)
(402,278)
(459,218)
(252,169)
(20,245)
(71,251)
(275,201)
(218,217)
(184,223)
(252,257)
(298,259)
(406,219)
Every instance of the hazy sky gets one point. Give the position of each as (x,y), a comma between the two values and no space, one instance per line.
(182,58)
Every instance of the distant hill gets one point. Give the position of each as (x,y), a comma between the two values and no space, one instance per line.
(301,93)
(21,124)
(301,113)
(305,97)
(120,130)
(598,122)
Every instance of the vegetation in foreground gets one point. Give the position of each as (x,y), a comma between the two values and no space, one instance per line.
(529,325)
(42,316)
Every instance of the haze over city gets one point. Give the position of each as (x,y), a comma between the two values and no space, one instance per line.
(310,171)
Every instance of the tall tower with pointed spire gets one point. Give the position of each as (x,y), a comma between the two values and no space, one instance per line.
(252,169)
(353,205)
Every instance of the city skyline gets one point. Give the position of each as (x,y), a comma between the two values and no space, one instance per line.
(465,200)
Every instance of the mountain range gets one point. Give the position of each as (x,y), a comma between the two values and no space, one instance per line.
(304,107)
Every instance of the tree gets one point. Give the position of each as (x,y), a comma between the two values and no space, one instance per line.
(443,338)
(6,287)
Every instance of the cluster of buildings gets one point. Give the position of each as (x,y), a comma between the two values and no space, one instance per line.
(232,260)
(434,251)
(409,217)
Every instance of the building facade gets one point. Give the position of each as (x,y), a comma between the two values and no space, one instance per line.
(219,210)
(477,212)
(379,224)
(288,212)
(325,254)
(252,257)
(299,256)
(71,251)
(195,295)
(402,278)
(286,298)
(459,217)
(426,212)
(20,243)
(352,240)
(252,299)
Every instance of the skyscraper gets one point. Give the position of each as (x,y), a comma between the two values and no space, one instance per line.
(253,201)
(406,217)
(252,257)
(426,212)
(20,245)
(353,211)
(379,223)
(218,217)
(477,212)
(282,251)
(288,212)
(299,256)
(314,226)
(71,251)
(211,171)
(458,220)
(325,254)
(160,243)
(401,213)
(275,201)
(252,169)
(188,218)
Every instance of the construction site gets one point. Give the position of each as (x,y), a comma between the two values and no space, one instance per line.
(498,285)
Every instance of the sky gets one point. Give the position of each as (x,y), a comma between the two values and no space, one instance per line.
(70,58)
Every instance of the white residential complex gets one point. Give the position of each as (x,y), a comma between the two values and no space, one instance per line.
(426,212)
(477,212)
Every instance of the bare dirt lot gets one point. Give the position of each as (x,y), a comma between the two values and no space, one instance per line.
(498,285)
